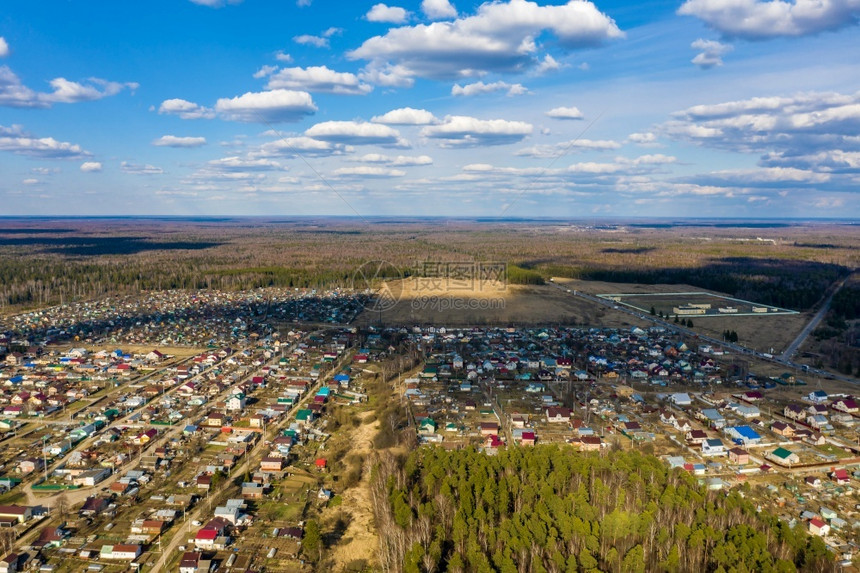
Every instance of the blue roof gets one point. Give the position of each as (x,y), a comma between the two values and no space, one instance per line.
(341,377)
(747,432)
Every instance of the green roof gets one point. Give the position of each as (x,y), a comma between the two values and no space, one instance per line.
(782,453)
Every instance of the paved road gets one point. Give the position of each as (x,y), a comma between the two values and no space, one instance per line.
(736,348)
(825,306)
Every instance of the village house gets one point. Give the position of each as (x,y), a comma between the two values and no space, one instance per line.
(739,456)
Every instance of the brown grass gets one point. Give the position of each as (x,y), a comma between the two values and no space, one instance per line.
(491,306)
(359,541)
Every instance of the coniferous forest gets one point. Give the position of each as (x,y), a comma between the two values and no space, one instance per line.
(554,509)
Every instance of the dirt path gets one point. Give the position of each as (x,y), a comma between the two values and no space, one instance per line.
(359,540)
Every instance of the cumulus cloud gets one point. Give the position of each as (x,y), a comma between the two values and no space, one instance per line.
(174,141)
(565,113)
(366,171)
(14,93)
(808,138)
(398,161)
(270,106)
(499,38)
(795,124)
(321,41)
(711,53)
(356,133)
(387,75)
(317,79)
(438,9)
(482,88)
(646,139)
(566,147)
(15,140)
(464,131)
(243,164)
(283,57)
(389,14)
(301,146)
(136,169)
(765,177)
(758,20)
(91,166)
(185,109)
(406,116)
(548,64)
(4,47)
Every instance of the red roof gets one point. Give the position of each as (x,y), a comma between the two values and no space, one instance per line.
(817,522)
(321,462)
(207,534)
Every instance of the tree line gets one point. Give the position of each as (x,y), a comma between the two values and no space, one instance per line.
(552,509)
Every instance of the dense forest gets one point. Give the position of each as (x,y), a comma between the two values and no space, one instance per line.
(52,261)
(553,509)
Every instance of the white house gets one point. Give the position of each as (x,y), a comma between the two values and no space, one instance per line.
(681,399)
(713,447)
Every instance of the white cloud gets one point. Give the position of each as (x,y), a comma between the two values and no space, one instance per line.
(501,37)
(66,91)
(283,57)
(398,161)
(15,94)
(646,139)
(265,71)
(776,177)
(136,169)
(548,64)
(438,9)
(711,53)
(389,14)
(387,75)
(317,79)
(566,147)
(365,171)
(565,113)
(4,47)
(15,140)
(756,19)
(301,146)
(185,109)
(30,181)
(309,40)
(240,164)
(174,141)
(321,41)
(269,106)
(482,88)
(91,166)
(356,133)
(464,131)
(406,116)
(215,3)
(796,125)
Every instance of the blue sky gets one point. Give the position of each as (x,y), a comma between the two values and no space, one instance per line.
(724,108)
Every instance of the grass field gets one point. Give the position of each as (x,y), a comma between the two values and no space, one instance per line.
(709,305)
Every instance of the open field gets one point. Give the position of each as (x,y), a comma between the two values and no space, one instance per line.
(760,332)
(693,304)
(503,306)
